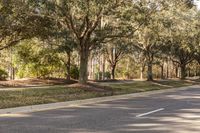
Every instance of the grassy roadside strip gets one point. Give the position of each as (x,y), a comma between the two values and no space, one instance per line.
(25,97)
(143,86)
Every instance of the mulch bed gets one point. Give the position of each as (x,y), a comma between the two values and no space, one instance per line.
(35,82)
(90,87)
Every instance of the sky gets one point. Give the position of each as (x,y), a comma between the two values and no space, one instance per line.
(197,2)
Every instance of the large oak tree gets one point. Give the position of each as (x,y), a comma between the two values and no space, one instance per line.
(90,23)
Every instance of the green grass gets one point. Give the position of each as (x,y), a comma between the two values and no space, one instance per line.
(45,95)
(134,87)
(24,97)
(196,80)
(142,86)
(177,83)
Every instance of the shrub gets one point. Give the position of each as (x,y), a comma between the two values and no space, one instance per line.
(127,74)
(3,74)
(74,72)
(107,75)
(99,75)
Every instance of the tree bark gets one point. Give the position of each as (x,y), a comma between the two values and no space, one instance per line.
(176,71)
(183,71)
(141,72)
(167,69)
(149,72)
(189,73)
(83,74)
(103,67)
(68,66)
(113,71)
(162,72)
(198,71)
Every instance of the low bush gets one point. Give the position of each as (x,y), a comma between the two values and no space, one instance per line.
(3,74)
(74,72)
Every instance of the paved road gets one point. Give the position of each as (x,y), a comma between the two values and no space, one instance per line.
(177,112)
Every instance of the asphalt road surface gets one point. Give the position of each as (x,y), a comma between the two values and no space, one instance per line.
(177,112)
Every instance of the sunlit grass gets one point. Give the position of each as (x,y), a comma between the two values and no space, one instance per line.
(134,87)
(142,86)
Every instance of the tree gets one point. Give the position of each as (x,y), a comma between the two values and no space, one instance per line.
(197,33)
(182,41)
(197,57)
(85,26)
(148,37)
(138,57)
(115,51)
(17,23)
(10,29)
(90,23)
(34,58)
(66,47)
(183,56)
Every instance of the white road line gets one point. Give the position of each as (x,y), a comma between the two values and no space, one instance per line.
(151,112)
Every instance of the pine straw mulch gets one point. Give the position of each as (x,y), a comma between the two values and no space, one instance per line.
(91,87)
(35,82)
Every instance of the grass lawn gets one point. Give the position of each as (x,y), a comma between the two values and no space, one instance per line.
(23,97)
(142,86)
(139,86)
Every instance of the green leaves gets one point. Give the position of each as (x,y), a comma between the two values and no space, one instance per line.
(36,59)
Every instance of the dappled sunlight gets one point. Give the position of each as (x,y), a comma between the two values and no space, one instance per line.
(117,106)
(145,125)
(179,97)
(191,110)
(60,117)
(174,123)
(86,131)
(182,119)
(14,115)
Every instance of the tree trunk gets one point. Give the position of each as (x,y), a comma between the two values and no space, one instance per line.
(141,72)
(149,72)
(93,70)
(183,71)
(162,72)
(198,72)
(13,73)
(176,72)
(188,74)
(103,67)
(68,65)
(113,72)
(83,74)
(167,69)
